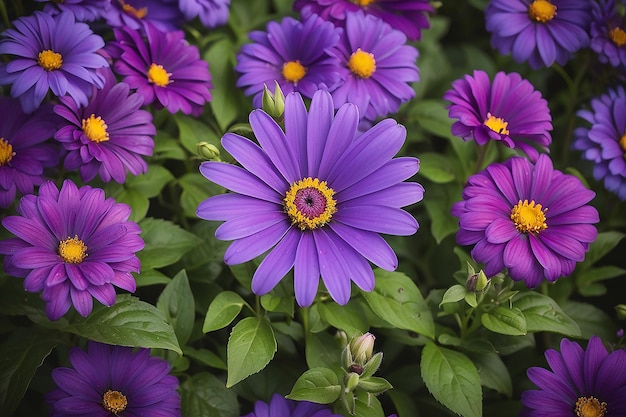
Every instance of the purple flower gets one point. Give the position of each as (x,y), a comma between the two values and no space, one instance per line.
(317,194)
(133,14)
(164,69)
(116,381)
(212,13)
(581,382)
(281,407)
(377,66)
(83,10)
(509,110)
(604,143)
(294,54)
(531,219)
(407,16)
(72,244)
(608,38)
(109,135)
(24,152)
(538,31)
(51,53)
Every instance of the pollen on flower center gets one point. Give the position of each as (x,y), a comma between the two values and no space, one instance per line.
(364,3)
(158,75)
(542,11)
(138,13)
(72,250)
(49,60)
(622,144)
(590,407)
(362,63)
(6,152)
(497,124)
(114,402)
(618,36)
(293,71)
(529,217)
(309,203)
(95,129)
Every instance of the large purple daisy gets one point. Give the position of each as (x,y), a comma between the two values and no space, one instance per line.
(377,66)
(51,53)
(83,10)
(608,38)
(407,16)
(109,136)
(134,14)
(293,53)
(581,383)
(72,244)
(604,143)
(281,407)
(509,110)
(316,195)
(531,219)
(115,381)
(212,13)
(539,32)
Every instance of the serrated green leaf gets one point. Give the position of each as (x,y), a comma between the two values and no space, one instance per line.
(322,350)
(453,294)
(349,318)
(318,385)
(203,395)
(177,305)
(368,406)
(542,313)
(222,311)
(251,346)
(493,372)
(165,243)
(505,321)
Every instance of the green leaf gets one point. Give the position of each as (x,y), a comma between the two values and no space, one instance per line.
(436,167)
(604,243)
(453,294)
(137,201)
(432,115)
(493,372)
(177,305)
(167,147)
(322,350)
(225,95)
(443,223)
(318,385)
(205,357)
(165,243)
(151,277)
(203,395)
(505,321)
(349,318)
(542,313)
(367,405)
(196,189)
(192,131)
(277,304)
(374,384)
(151,183)
(452,379)
(222,311)
(590,319)
(587,279)
(251,347)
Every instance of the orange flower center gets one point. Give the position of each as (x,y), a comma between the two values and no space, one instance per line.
(529,217)
(497,124)
(114,402)
(49,60)
(130,10)
(618,36)
(542,11)
(362,64)
(590,407)
(364,3)
(6,152)
(293,71)
(157,75)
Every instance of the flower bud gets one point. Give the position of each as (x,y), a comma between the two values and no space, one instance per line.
(621,311)
(273,104)
(208,152)
(477,282)
(362,348)
(351,381)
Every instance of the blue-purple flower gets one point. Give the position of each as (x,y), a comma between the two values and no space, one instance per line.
(212,13)
(315,196)
(539,32)
(83,10)
(134,14)
(72,244)
(281,407)
(532,220)
(604,142)
(608,38)
(51,53)
(119,381)
(509,110)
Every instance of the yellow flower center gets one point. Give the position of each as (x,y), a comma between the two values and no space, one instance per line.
(309,203)
(622,143)
(158,75)
(95,129)
(6,152)
(293,71)
(72,250)
(542,11)
(114,402)
(618,36)
(138,13)
(362,63)
(590,407)
(529,217)
(497,124)
(49,60)
(364,3)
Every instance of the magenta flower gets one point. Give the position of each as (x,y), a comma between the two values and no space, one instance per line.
(608,38)
(83,10)
(212,13)
(134,14)
(281,407)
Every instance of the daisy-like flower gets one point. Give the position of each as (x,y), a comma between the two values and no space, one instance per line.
(531,219)
(509,110)
(212,13)
(608,38)
(134,14)
(83,10)
(24,150)
(407,16)
(116,381)
(294,54)
(604,142)
(165,69)
(51,53)
(581,383)
(281,407)
(72,244)
(539,32)
(109,136)
(316,195)
(377,66)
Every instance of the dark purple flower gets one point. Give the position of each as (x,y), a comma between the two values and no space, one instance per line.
(293,53)
(604,143)
(212,13)
(316,196)
(407,16)
(581,383)
(109,136)
(72,244)
(24,152)
(531,219)
(51,53)
(133,14)
(608,38)
(509,110)
(539,32)
(377,66)
(164,68)
(115,381)
(83,10)
(281,407)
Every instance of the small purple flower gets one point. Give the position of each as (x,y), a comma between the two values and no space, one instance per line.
(316,196)
(72,244)
(51,53)
(407,16)
(531,219)
(164,68)
(604,143)
(119,381)
(608,38)
(83,10)
(539,32)
(109,136)
(509,110)
(134,14)
(293,53)
(377,66)
(584,383)
(281,407)
(212,13)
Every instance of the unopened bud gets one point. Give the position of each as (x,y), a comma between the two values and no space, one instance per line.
(362,348)
(273,104)
(208,151)
(351,381)
(621,311)
(477,282)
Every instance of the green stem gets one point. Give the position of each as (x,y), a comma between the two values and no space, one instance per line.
(5,14)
